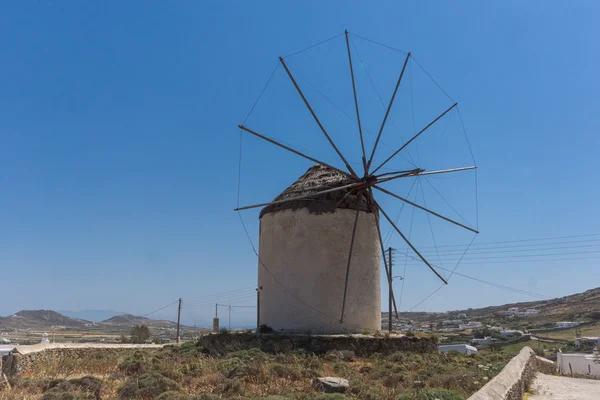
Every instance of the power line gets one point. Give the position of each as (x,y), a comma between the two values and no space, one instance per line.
(229,292)
(160,309)
(522,261)
(219,299)
(522,240)
(493,251)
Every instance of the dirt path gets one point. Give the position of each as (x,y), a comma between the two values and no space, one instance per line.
(548,387)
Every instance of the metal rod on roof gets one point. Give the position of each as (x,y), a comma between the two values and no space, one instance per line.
(362,143)
(387,113)
(315,117)
(445,171)
(349,186)
(409,243)
(349,261)
(414,137)
(268,139)
(424,209)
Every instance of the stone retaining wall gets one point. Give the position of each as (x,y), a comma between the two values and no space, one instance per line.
(362,345)
(512,382)
(24,357)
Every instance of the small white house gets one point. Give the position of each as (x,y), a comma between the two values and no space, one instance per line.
(462,316)
(461,348)
(470,325)
(513,310)
(583,364)
(485,340)
(587,339)
(509,332)
(567,324)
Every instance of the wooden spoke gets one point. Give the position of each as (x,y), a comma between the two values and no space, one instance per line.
(308,196)
(414,137)
(424,209)
(410,244)
(362,143)
(445,171)
(387,113)
(348,266)
(268,139)
(385,264)
(315,116)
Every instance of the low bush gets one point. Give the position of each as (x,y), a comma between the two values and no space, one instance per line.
(147,386)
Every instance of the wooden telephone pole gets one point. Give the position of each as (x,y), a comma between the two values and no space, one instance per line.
(178,318)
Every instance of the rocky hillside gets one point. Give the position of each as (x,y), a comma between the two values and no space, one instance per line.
(36,319)
(576,304)
(129,320)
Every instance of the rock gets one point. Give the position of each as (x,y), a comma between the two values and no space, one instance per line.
(331,384)
(348,355)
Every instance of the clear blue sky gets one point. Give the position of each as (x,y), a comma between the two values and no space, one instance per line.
(119,146)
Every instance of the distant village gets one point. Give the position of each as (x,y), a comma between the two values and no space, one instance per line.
(462,327)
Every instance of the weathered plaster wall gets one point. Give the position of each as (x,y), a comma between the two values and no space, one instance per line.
(362,345)
(308,254)
(512,382)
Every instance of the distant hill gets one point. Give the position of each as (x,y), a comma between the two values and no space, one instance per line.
(37,319)
(567,307)
(129,320)
(47,319)
(92,315)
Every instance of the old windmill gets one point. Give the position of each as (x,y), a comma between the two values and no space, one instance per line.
(320,239)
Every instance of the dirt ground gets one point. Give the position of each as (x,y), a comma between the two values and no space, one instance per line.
(548,387)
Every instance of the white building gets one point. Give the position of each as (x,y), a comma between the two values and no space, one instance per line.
(461,348)
(509,332)
(513,310)
(567,324)
(462,315)
(485,340)
(452,322)
(583,364)
(470,325)
(587,339)
(527,313)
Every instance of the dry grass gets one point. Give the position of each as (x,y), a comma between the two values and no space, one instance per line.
(186,373)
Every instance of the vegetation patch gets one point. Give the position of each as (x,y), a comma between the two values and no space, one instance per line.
(186,373)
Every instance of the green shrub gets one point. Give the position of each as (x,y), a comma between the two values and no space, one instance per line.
(147,386)
(232,386)
(171,395)
(131,366)
(331,396)
(341,367)
(286,371)
(431,394)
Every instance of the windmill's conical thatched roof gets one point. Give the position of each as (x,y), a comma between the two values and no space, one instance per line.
(314,180)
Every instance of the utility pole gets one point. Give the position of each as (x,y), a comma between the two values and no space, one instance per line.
(178,319)
(216,319)
(229,316)
(390,290)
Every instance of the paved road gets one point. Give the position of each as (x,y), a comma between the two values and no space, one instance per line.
(548,387)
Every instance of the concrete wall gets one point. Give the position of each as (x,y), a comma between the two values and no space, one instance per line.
(362,345)
(583,364)
(22,358)
(308,254)
(512,381)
